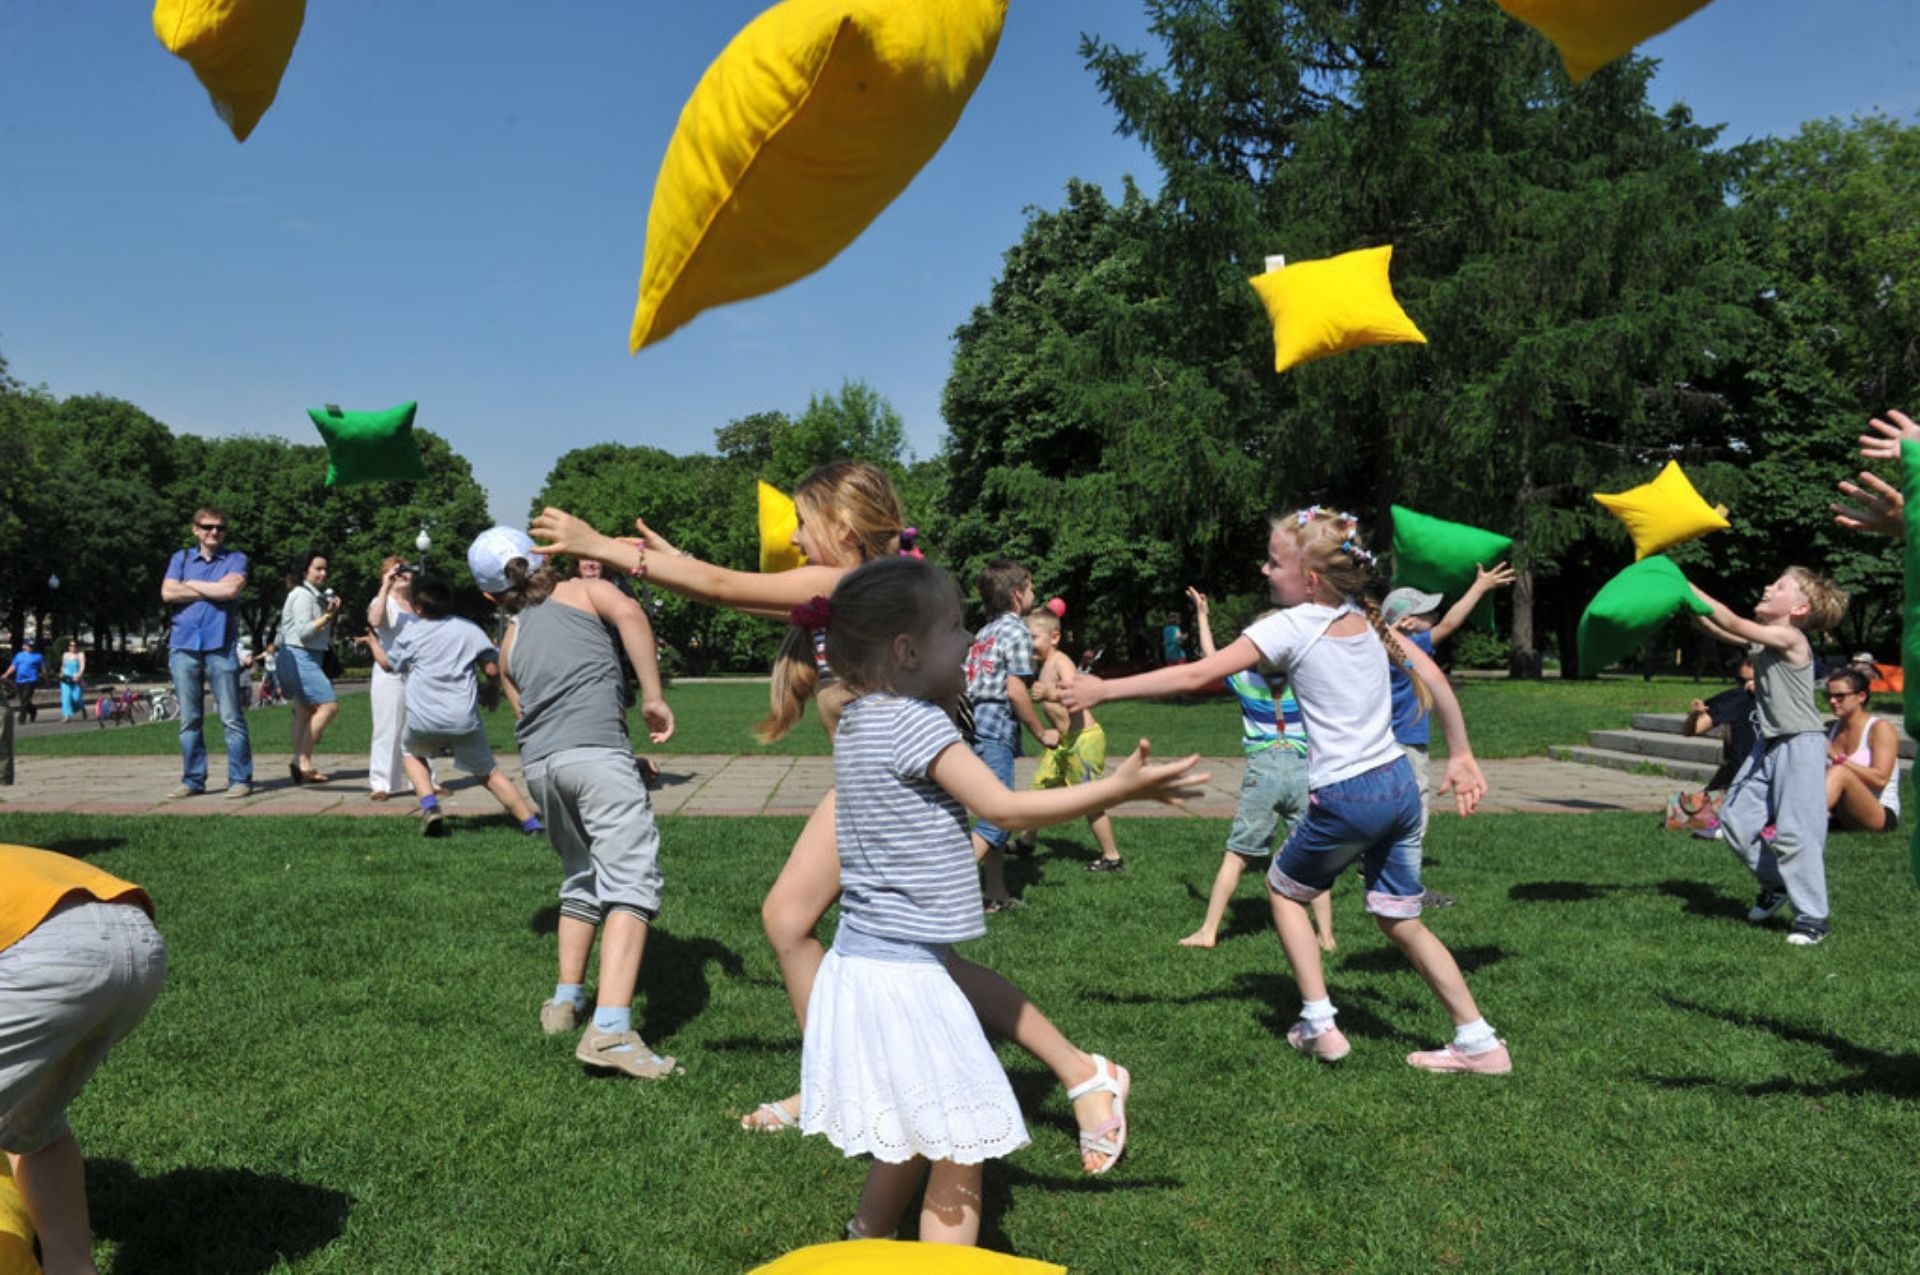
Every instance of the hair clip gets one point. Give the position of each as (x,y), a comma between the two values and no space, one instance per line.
(908,549)
(815,613)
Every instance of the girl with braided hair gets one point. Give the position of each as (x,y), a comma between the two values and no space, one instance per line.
(849,514)
(1329,639)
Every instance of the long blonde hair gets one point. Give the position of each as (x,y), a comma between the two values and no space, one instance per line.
(851,508)
(1331,548)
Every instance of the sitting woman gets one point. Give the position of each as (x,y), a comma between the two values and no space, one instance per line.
(1863,759)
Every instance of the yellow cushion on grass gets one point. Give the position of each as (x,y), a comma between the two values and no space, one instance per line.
(801,132)
(16,1229)
(1664,512)
(1332,306)
(1592,33)
(778,521)
(891,1257)
(239,49)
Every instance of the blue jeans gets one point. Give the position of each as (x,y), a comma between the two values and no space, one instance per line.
(996,741)
(1373,817)
(192,671)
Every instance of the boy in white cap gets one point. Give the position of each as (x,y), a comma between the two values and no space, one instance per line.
(1410,613)
(444,658)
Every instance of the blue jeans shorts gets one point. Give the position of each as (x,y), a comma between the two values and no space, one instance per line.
(996,741)
(1373,817)
(1273,796)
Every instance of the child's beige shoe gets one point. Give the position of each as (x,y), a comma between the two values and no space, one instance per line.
(602,1051)
(557,1017)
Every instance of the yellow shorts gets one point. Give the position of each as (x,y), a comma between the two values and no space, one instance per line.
(1081,757)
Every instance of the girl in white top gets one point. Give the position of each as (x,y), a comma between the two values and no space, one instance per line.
(1863,758)
(894,1063)
(1364,804)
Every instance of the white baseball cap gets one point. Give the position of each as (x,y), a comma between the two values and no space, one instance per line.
(493,549)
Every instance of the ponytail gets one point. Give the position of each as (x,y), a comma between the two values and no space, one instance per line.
(1397,654)
(795,678)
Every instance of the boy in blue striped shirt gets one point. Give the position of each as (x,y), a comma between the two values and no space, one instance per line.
(1273,792)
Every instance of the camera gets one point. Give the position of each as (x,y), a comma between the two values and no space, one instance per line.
(328,596)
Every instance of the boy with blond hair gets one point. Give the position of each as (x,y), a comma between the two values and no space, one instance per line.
(1783,780)
(1081,755)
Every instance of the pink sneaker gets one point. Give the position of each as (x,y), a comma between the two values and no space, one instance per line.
(1329,1046)
(1494,1062)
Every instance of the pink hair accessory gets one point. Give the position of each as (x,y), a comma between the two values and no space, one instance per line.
(908,549)
(815,613)
(1058,606)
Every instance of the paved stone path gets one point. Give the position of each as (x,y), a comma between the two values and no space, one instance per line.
(715,785)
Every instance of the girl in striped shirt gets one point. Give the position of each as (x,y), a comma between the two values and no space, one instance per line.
(895,1064)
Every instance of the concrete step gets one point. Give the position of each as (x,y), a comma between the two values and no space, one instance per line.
(1676,724)
(1636,763)
(1690,748)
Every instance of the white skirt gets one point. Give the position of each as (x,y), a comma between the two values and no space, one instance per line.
(895,1065)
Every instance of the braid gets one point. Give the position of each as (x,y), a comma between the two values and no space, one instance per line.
(1397,653)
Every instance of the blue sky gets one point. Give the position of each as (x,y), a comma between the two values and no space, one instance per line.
(448,203)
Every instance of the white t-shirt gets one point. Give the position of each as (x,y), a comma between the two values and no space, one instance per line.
(1342,686)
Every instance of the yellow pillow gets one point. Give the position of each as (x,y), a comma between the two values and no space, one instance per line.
(778,521)
(239,49)
(802,131)
(1592,33)
(16,1229)
(1331,306)
(1664,512)
(890,1257)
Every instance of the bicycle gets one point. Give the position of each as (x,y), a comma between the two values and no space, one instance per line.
(121,704)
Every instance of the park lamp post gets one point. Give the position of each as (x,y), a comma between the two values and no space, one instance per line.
(423,542)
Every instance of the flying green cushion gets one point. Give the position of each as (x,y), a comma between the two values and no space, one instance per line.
(1910,615)
(1444,557)
(369,447)
(1630,608)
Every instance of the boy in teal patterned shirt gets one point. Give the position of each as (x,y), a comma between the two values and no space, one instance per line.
(1273,792)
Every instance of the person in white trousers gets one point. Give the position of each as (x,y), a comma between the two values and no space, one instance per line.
(389,612)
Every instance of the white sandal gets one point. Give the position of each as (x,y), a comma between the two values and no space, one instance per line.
(1109,1137)
(769,1117)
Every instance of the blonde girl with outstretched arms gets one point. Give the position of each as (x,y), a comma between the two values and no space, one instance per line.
(1328,639)
(848,514)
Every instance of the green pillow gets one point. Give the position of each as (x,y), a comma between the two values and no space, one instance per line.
(369,447)
(1630,607)
(1910,614)
(1443,557)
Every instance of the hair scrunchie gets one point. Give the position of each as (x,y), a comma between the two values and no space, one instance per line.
(908,547)
(815,613)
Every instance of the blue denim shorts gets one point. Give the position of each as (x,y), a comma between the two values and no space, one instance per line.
(1373,817)
(1273,796)
(301,676)
(996,741)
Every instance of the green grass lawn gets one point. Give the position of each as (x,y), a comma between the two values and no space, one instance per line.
(345,1073)
(1504,719)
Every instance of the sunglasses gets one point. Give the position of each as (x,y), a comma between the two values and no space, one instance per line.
(211,526)
(1834,695)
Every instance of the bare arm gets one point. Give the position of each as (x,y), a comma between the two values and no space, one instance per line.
(1484,582)
(1883,745)
(378,652)
(967,778)
(1088,691)
(1202,621)
(508,686)
(630,621)
(1022,705)
(1463,777)
(1784,638)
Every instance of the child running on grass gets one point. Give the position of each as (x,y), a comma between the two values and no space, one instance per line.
(999,671)
(894,1063)
(562,660)
(848,513)
(440,654)
(1273,791)
(1783,782)
(1329,641)
(1081,755)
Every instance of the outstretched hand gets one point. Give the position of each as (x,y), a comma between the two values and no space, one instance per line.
(1498,578)
(652,541)
(1464,780)
(1878,508)
(1167,781)
(1884,442)
(557,531)
(1199,601)
(1083,691)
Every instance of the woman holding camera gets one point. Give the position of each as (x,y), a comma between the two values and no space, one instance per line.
(389,612)
(306,625)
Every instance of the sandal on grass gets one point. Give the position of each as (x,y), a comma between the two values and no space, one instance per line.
(1106,865)
(769,1117)
(1109,1137)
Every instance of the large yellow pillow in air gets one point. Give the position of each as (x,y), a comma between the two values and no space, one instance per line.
(892,1257)
(1664,512)
(1331,306)
(801,132)
(778,521)
(16,1229)
(239,49)
(1592,33)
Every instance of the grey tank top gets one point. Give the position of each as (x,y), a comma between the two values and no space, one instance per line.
(566,665)
(1784,693)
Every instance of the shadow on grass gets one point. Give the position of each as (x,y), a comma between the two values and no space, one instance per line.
(1390,960)
(210,1221)
(85,847)
(1561,891)
(1875,1070)
(673,978)
(1701,899)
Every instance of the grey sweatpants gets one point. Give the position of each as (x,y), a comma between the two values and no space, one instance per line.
(1783,782)
(600,820)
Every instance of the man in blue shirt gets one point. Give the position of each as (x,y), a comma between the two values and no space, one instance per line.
(203,586)
(25,672)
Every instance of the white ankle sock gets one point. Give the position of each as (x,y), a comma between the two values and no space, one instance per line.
(1475,1037)
(1317,1015)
